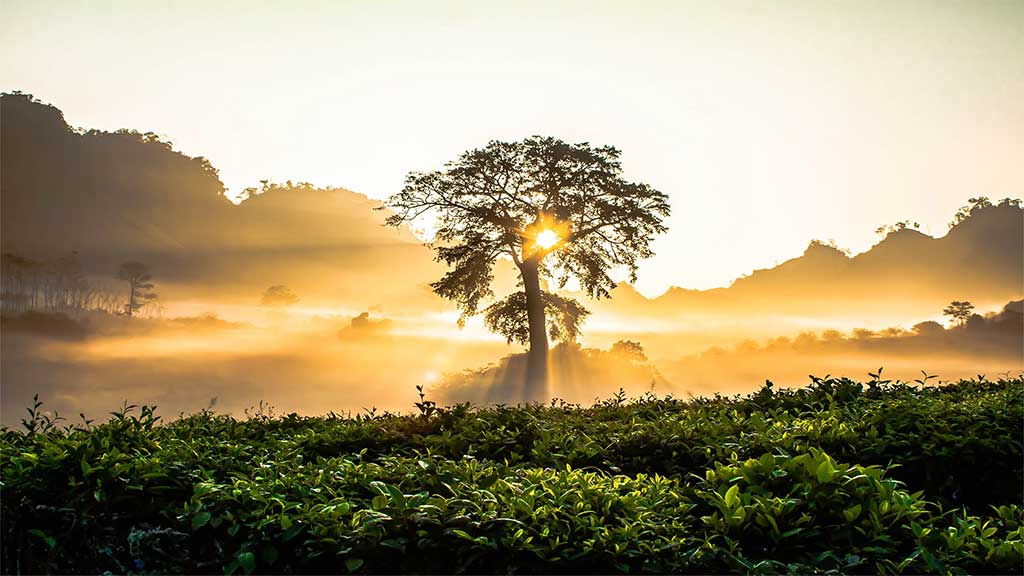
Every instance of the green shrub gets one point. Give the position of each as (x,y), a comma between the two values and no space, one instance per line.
(840,476)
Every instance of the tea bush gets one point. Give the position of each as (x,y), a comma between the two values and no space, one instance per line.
(839,476)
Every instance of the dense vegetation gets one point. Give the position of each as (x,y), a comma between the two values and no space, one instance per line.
(873,477)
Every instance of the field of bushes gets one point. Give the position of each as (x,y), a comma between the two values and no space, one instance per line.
(871,477)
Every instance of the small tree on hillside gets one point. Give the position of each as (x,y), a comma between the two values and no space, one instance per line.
(959,311)
(629,350)
(558,211)
(973,206)
(140,287)
(897,227)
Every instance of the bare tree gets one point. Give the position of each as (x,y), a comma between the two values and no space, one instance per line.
(57,285)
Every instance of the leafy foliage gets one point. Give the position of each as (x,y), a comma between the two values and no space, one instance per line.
(508,317)
(485,204)
(630,350)
(839,476)
(960,311)
(978,204)
(897,227)
(278,295)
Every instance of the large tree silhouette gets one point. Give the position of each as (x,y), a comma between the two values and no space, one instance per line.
(559,211)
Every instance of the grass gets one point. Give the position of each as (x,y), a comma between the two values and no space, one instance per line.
(839,476)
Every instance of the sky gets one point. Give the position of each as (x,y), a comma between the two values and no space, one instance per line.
(767,124)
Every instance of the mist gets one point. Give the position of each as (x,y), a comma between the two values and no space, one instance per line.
(352,322)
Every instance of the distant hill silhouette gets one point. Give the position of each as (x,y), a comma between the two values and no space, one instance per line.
(114,196)
(93,191)
(981,259)
(990,344)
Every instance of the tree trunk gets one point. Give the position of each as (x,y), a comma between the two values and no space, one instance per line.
(131,298)
(536,386)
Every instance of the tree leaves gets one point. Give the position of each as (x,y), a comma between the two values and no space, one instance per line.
(199,520)
(484,203)
(509,318)
(647,485)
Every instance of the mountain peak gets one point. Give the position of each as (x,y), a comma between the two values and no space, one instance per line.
(828,250)
(24,111)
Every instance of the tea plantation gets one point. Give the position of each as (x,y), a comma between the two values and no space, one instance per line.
(875,477)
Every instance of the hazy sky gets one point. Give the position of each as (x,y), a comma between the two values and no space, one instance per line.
(768,123)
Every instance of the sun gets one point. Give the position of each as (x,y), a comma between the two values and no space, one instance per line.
(545,234)
(546,239)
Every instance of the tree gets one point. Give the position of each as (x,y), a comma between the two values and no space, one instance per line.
(959,311)
(629,350)
(928,328)
(973,206)
(140,293)
(558,211)
(278,295)
(897,227)
(57,285)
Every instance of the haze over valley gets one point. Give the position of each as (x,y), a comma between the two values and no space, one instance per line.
(300,296)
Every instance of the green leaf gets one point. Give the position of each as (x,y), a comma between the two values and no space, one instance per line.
(247,560)
(50,540)
(826,472)
(200,520)
(286,522)
(292,532)
(852,513)
(732,496)
(395,493)
(353,564)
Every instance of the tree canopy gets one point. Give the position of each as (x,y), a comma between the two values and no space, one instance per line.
(278,295)
(492,202)
(559,211)
(959,311)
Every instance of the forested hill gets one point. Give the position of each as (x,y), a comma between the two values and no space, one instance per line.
(115,196)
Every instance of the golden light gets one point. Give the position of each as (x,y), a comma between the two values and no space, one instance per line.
(546,239)
(546,233)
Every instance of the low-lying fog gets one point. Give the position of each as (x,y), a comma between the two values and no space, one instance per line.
(313,360)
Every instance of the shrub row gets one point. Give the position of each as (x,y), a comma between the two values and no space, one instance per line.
(755,484)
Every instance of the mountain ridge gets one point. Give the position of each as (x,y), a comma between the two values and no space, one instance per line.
(981,257)
(122,195)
